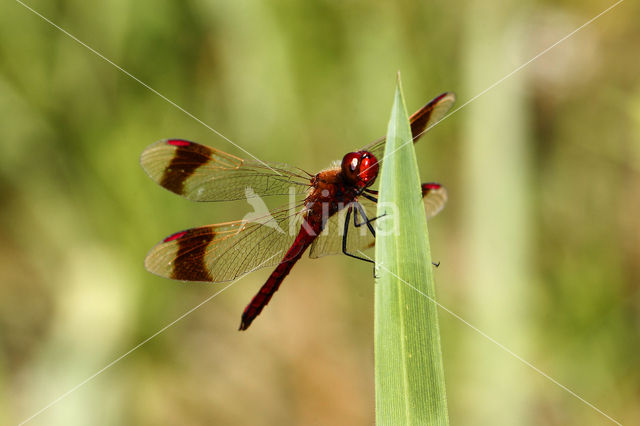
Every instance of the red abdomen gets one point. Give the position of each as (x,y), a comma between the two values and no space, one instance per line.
(260,300)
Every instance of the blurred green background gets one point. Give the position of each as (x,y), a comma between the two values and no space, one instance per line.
(539,244)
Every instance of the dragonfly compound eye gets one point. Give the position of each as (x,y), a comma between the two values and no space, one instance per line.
(354,164)
(368,168)
(351,164)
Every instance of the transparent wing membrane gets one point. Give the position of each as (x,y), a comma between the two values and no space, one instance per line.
(201,173)
(225,251)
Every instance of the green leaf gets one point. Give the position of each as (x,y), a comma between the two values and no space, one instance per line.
(410,388)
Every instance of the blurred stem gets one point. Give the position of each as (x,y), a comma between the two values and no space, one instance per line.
(496,165)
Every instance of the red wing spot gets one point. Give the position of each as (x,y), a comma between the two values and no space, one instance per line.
(431,186)
(174,236)
(178,142)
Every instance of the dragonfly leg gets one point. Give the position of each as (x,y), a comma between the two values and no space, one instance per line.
(366,221)
(370,197)
(358,209)
(344,238)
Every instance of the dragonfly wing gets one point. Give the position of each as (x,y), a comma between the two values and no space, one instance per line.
(201,173)
(421,121)
(435,197)
(223,252)
(359,238)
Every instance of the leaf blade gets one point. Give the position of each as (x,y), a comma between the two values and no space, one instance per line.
(410,386)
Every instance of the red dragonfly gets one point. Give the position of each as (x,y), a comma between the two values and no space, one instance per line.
(226,251)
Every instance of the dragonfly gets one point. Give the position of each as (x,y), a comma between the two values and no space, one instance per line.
(319,220)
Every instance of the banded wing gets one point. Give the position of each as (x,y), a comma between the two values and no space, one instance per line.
(201,173)
(330,240)
(225,251)
(421,121)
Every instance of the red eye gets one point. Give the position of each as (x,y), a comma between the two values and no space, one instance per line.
(360,167)
(350,164)
(368,168)
(354,164)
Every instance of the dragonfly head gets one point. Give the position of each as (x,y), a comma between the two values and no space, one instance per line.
(360,168)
